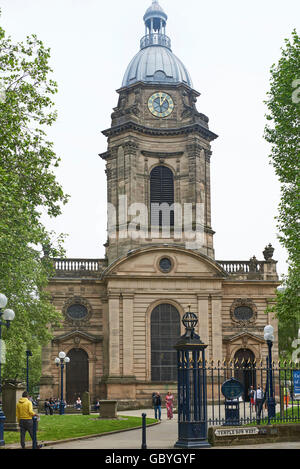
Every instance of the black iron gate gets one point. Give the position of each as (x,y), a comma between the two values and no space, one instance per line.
(286,379)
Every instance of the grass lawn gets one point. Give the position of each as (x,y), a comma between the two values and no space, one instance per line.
(291,413)
(61,427)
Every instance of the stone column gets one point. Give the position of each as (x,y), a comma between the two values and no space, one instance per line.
(217,344)
(11,393)
(114,335)
(128,334)
(203,320)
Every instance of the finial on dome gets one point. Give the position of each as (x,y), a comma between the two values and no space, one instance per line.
(155,27)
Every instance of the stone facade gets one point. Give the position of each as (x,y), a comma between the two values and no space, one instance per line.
(107,304)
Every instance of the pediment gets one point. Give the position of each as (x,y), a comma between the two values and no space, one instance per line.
(243,337)
(146,262)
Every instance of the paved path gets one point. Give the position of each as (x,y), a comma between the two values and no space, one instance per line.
(162,436)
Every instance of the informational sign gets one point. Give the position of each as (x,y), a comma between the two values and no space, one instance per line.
(232,389)
(296,376)
(237,431)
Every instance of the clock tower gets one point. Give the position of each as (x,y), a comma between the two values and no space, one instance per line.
(158,156)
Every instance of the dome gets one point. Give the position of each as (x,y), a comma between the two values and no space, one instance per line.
(156,64)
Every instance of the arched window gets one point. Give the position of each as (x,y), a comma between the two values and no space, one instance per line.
(161,192)
(77,375)
(165,331)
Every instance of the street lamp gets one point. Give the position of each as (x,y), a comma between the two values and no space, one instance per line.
(269,338)
(7,315)
(61,360)
(28,354)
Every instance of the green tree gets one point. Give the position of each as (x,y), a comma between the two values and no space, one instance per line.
(28,189)
(283,133)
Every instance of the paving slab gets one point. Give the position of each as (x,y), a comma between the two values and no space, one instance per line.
(162,436)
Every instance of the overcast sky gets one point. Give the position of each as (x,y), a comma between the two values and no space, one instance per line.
(228,48)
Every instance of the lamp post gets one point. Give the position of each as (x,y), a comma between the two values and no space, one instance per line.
(7,315)
(269,338)
(28,354)
(192,398)
(61,360)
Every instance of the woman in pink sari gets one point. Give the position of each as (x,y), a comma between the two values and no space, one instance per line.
(169,404)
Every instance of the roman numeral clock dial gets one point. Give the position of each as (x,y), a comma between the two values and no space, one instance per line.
(161,105)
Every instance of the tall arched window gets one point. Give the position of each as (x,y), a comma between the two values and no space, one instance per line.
(165,331)
(161,192)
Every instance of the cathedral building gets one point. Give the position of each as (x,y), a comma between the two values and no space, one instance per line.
(122,314)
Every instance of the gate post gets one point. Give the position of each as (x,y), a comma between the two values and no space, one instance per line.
(192,392)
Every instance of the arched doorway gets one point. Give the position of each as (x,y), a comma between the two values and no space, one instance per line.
(245,371)
(165,331)
(77,375)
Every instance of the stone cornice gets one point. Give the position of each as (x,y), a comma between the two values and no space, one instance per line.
(84,335)
(130,125)
(156,154)
(165,86)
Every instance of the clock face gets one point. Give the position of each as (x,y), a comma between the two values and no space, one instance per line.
(161,104)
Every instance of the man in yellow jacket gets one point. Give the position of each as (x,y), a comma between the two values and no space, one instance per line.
(24,416)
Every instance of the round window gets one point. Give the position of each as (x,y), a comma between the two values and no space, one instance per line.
(243,313)
(77,311)
(165,265)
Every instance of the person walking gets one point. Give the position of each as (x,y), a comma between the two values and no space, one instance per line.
(157,405)
(169,405)
(25,413)
(251,394)
(259,396)
(286,396)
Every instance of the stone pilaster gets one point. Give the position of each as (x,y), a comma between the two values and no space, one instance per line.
(114,334)
(216,318)
(203,316)
(128,334)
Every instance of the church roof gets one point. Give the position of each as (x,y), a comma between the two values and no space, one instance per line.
(155,62)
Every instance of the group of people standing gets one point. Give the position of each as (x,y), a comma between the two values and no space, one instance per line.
(157,404)
(256,397)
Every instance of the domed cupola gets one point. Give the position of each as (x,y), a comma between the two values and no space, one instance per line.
(155,62)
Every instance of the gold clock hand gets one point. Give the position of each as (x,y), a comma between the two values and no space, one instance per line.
(163,100)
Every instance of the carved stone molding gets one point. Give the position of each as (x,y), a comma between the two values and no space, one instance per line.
(77,300)
(130,148)
(247,311)
(157,154)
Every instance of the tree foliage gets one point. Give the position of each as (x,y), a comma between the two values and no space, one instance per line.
(28,189)
(283,133)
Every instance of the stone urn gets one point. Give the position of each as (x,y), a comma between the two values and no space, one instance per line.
(268,252)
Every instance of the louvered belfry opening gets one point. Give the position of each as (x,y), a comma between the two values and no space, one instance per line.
(161,192)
